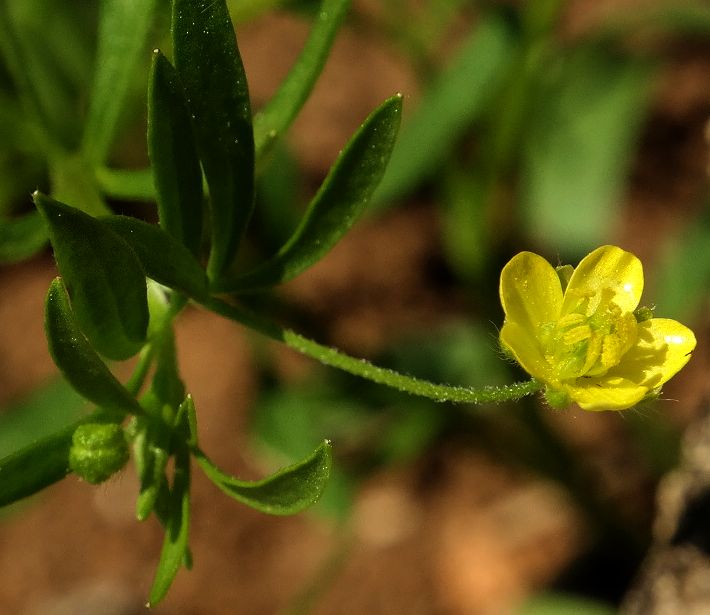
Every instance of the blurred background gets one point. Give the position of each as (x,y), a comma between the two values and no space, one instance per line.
(548,126)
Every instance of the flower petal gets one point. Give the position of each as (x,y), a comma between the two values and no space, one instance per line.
(663,347)
(606,269)
(530,291)
(525,348)
(606,393)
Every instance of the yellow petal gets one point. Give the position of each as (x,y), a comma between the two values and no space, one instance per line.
(530,291)
(663,347)
(606,393)
(607,269)
(525,348)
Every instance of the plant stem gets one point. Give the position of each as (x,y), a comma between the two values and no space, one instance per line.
(359,367)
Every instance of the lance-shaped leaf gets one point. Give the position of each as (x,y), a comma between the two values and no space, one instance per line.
(35,466)
(171,146)
(286,492)
(175,550)
(77,360)
(103,276)
(123,26)
(210,69)
(271,122)
(340,201)
(163,258)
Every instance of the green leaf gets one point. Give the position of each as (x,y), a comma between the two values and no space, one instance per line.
(274,119)
(579,145)
(175,544)
(682,279)
(448,107)
(40,80)
(103,276)
(123,26)
(77,360)
(126,184)
(340,201)
(163,258)
(210,68)
(21,238)
(286,492)
(73,182)
(171,146)
(36,466)
(43,411)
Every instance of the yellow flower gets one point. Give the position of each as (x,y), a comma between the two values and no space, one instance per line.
(576,331)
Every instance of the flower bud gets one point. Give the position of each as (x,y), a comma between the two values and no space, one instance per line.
(98,451)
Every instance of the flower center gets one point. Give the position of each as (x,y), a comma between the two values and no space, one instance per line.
(583,344)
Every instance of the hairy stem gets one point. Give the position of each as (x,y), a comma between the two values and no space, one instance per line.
(359,367)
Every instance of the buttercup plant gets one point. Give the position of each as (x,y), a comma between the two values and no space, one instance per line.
(123,282)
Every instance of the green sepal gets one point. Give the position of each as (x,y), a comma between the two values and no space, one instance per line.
(21,238)
(338,204)
(76,358)
(98,451)
(103,277)
(162,257)
(173,155)
(210,69)
(288,491)
(273,120)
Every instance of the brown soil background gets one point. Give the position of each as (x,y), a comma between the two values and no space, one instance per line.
(478,543)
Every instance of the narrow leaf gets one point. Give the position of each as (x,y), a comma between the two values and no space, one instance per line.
(175,544)
(585,126)
(448,107)
(21,238)
(77,360)
(272,121)
(163,258)
(126,184)
(210,68)
(171,146)
(40,464)
(338,204)
(287,492)
(103,276)
(35,467)
(123,26)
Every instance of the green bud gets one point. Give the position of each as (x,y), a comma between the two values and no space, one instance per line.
(98,451)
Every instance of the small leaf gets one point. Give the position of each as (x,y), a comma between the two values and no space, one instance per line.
(77,360)
(21,238)
(103,276)
(123,26)
(40,464)
(286,492)
(126,184)
(450,104)
(585,126)
(171,146)
(175,544)
(210,68)
(36,466)
(338,204)
(272,121)
(163,258)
